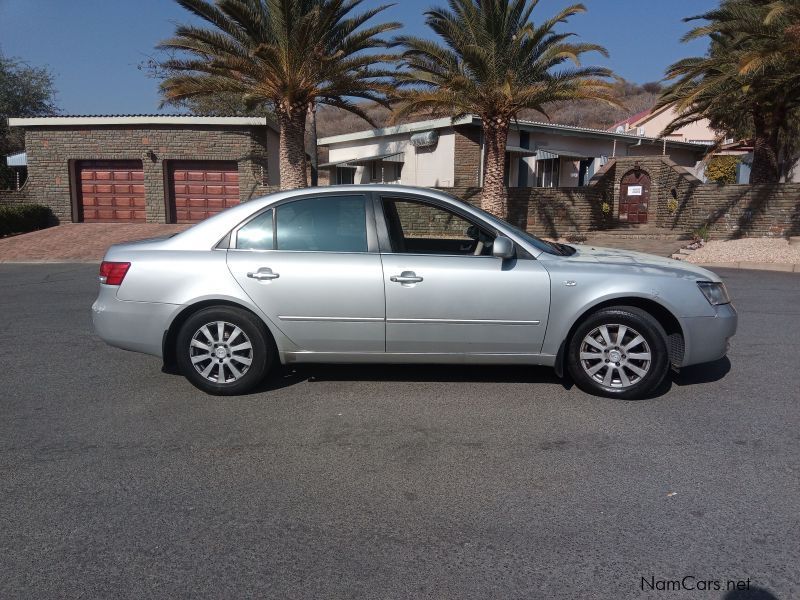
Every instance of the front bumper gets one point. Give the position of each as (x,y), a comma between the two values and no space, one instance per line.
(136,326)
(707,338)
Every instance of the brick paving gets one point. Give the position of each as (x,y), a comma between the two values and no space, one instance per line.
(87,242)
(77,242)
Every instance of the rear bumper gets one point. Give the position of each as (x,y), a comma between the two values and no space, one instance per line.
(707,338)
(136,326)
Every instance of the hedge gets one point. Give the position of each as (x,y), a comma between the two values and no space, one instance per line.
(21,218)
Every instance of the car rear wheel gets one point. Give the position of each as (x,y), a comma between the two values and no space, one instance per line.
(619,352)
(223,350)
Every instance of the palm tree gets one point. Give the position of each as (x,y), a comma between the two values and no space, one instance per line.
(495,62)
(285,55)
(748,84)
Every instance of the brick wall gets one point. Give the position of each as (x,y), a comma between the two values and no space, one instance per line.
(729,211)
(14,196)
(51,151)
(467,157)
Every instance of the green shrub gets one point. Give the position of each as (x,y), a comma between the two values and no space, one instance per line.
(21,218)
(702,232)
(722,169)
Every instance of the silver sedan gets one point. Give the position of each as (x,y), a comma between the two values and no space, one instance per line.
(394,274)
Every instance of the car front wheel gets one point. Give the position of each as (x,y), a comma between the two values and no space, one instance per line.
(223,350)
(619,352)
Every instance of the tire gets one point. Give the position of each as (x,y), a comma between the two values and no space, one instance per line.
(202,355)
(629,370)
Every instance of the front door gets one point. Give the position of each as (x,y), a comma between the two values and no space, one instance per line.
(446,293)
(310,266)
(634,197)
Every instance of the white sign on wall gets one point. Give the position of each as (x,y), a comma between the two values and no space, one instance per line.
(634,190)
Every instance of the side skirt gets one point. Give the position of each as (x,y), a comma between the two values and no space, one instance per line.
(413,358)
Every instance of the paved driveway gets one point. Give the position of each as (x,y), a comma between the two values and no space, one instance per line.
(77,241)
(121,481)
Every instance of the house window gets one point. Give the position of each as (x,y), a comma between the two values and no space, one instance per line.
(375,170)
(548,172)
(397,171)
(345,175)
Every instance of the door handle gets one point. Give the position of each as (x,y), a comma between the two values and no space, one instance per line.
(263,274)
(406,277)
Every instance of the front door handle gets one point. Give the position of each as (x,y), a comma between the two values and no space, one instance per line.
(263,274)
(406,277)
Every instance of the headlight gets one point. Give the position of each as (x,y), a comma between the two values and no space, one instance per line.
(715,293)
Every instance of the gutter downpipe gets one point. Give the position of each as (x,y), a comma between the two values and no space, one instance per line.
(614,149)
(629,146)
(483,159)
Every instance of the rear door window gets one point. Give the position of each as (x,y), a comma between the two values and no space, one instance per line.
(324,224)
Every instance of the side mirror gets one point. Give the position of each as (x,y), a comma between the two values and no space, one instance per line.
(503,247)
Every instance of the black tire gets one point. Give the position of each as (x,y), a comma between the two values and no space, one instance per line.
(642,376)
(261,353)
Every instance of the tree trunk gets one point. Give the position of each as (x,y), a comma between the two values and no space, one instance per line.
(765,152)
(291,147)
(494,198)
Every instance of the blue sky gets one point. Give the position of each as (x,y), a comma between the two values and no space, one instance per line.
(94,46)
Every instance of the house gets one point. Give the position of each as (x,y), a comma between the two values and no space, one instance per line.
(652,122)
(146,168)
(449,153)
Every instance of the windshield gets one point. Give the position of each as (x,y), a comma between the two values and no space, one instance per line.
(536,242)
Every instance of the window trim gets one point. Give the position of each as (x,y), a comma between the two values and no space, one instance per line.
(372,234)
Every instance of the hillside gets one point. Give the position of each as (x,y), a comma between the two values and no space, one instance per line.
(635,98)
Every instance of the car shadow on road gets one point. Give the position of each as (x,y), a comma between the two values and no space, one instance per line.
(753,593)
(287,376)
(705,373)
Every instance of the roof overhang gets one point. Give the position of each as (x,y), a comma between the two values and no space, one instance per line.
(520,150)
(397,130)
(361,161)
(556,153)
(531,126)
(110,120)
(20,159)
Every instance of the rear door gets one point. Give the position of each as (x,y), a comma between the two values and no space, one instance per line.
(446,293)
(312,265)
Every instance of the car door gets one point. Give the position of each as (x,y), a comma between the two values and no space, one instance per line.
(312,265)
(446,293)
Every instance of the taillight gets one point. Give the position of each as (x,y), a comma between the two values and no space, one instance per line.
(112,273)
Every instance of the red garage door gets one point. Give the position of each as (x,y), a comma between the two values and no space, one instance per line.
(111,191)
(202,189)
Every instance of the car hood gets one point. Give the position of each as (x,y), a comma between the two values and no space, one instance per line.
(637,260)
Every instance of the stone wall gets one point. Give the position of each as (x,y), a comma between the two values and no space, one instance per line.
(728,211)
(467,157)
(14,196)
(53,150)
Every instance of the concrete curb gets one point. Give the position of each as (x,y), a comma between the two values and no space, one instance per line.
(784,268)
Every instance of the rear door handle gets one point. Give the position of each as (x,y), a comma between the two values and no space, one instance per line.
(263,274)
(406,277)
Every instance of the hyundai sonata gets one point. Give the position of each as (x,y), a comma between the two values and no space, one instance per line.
(395,274)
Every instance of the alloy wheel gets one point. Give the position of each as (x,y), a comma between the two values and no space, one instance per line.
(221,352)
(615,355)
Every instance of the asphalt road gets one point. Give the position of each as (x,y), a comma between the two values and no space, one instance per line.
(118,480)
